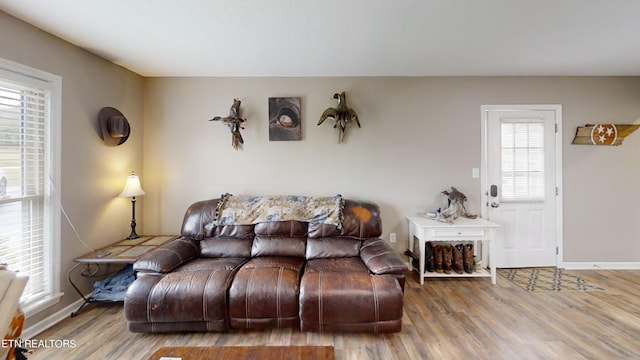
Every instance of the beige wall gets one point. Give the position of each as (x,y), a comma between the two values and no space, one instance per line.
(418,137)
(93,174)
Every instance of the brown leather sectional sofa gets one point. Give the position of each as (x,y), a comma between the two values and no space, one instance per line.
(310,276)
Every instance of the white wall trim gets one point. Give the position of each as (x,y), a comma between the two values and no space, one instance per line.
(45,303)
(51,320)
(601,265)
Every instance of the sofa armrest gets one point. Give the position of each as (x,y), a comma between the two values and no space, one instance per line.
(168,256)
(380,258)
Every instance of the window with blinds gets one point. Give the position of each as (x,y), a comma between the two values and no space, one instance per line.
(522,161)
(28,228)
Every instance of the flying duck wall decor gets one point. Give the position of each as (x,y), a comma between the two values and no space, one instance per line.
(233,121)
(342,114)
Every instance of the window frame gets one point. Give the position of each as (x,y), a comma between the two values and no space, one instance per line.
(23,74)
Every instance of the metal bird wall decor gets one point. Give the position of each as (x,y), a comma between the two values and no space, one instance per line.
(233,121)
(341,114)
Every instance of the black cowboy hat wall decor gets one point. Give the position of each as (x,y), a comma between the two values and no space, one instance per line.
(114,127)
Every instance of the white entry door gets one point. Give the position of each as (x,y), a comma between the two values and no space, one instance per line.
(521,183)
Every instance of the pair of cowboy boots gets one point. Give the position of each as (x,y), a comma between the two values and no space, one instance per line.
(468,260)
(429,257)
(444,258)
(463,258)
(415,258)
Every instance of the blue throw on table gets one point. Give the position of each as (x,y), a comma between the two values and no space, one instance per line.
(114,288)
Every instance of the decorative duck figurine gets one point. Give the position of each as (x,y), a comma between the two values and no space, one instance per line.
(341,114)
(456,206)
(233,121)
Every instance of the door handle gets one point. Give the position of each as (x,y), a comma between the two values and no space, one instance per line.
(494,204)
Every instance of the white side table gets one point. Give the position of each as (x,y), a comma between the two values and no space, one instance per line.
(423,229)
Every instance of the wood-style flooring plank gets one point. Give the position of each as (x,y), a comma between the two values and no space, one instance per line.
(465,318)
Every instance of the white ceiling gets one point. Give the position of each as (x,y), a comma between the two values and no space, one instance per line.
(348,37)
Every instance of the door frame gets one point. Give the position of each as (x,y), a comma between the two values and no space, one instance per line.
(484,186)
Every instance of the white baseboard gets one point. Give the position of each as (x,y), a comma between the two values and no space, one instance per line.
(53,319)
(601,265)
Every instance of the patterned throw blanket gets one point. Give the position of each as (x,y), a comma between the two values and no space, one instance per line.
(246,210)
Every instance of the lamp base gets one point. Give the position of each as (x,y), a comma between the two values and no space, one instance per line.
(133,235)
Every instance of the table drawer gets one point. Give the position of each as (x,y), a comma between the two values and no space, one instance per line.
(458,233)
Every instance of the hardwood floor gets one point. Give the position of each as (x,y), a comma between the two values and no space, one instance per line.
(444,319)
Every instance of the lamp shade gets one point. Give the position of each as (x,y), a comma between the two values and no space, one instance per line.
(132,187)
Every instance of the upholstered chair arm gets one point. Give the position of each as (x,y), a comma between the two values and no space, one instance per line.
(169,256)
(380,257)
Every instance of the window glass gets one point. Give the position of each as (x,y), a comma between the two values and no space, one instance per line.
(522,161)
(29,231)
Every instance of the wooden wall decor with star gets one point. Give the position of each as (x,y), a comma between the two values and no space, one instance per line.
(603,134)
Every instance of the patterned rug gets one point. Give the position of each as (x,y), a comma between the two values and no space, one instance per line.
(547,279)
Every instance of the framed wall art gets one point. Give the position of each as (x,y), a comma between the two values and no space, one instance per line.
(284,119)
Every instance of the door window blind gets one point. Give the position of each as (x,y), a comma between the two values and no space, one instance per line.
(522,161)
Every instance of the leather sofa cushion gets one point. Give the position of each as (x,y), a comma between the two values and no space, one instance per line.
(265,293)
(282,228)
(361,221)
(224,246)
(380,258)
(330,247)
(341,265)
(273,262)
(191,296)
(198,223)
(194,292)
(168,256)
(350,301)
(278,246)
(236,231)
(280,238)
(204,264)
(198,220)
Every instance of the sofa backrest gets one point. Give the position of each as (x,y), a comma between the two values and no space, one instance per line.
(280,238)
(361,221)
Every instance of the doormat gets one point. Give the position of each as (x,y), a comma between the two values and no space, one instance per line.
(547,279)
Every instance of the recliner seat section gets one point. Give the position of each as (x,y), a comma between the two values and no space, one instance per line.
(350,302)
(190,294)
(265,293)
(296,274)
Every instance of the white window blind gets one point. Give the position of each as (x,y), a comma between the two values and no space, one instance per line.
(522,161)
(28,229)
